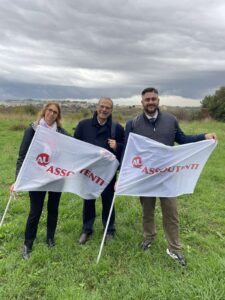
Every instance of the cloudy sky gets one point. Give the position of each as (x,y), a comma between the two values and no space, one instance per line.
(86,49)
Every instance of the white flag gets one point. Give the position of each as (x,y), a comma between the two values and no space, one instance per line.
(153,169)
(59,163)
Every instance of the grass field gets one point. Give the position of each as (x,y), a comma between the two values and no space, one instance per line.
(69,271)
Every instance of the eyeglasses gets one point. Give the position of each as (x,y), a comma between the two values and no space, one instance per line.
(54,112)
(105,107)
(151,98)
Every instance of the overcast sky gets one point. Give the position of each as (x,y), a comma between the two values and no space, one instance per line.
(87,49)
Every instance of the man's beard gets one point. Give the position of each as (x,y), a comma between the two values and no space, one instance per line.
(152,111)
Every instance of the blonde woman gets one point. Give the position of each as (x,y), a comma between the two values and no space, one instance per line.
(49,117)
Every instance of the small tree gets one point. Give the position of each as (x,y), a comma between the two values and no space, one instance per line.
(215,104)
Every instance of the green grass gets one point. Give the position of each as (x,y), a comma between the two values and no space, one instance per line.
(69,271)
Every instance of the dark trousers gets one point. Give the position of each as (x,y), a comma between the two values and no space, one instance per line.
(36,206)
(89,212)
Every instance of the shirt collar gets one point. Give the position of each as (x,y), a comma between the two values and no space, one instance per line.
(152,117)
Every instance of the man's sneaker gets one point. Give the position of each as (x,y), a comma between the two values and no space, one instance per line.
(146,244)
(177,256)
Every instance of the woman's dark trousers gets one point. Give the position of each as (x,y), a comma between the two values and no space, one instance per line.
(36,206)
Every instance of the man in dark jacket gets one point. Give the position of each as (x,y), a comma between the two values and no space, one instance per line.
(102,132)
(164,128)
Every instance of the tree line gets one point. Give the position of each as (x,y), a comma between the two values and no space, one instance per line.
(211,105)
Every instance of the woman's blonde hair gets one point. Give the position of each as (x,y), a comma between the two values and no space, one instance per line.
(46,106)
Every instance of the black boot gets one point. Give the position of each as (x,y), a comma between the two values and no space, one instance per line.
(50,242)
(26,252)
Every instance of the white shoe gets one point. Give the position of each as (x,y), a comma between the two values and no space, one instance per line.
(177,256)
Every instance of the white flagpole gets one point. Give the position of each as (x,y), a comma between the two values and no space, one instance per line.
(6,209)
(106,228)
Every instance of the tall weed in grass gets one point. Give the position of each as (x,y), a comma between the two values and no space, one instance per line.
(69,271)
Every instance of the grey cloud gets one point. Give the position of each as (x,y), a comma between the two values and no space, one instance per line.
(114,46)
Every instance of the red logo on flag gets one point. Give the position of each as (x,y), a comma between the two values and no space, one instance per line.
(43,159)
(137,162)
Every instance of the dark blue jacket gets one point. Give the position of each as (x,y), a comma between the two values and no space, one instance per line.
(90,131)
